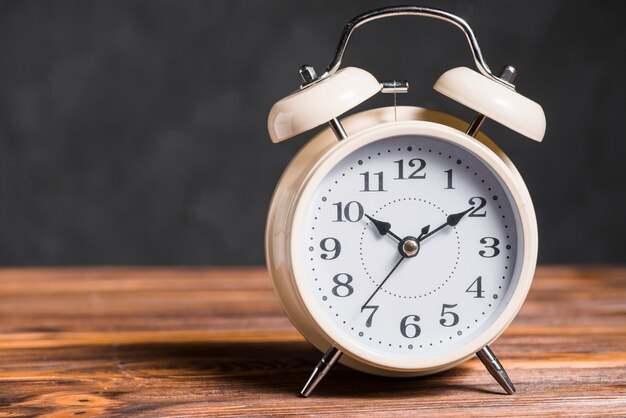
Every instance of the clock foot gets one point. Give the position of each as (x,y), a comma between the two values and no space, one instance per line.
(492,364)
(328,360)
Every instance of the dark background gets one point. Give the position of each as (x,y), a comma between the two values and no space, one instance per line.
(134,132)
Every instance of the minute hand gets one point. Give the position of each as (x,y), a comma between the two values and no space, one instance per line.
(452,220)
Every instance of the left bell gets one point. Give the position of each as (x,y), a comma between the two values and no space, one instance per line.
(320,102)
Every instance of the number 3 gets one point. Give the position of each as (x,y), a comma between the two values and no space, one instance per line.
(493,246)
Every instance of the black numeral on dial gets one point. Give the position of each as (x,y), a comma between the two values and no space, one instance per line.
(410,329)
(475,212)
(493,247)
(449,177)
(452,318)
(366,182)
(421,164)
(342,288)
(352,212)
(477,288)
(374,308)
(334,248)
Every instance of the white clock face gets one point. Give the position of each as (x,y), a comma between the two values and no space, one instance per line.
(410,246)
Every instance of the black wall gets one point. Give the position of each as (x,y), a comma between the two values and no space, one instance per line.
(134,132)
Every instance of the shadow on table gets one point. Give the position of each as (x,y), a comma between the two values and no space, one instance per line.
(282,367)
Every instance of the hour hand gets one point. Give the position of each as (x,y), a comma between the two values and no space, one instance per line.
(423,232)
(451,220)
(384,228)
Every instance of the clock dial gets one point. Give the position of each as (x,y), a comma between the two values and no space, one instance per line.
(410,246)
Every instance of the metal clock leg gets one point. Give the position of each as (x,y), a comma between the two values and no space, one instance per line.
(328,360)
(494,366)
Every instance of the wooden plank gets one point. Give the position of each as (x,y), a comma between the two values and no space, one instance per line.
(214,342)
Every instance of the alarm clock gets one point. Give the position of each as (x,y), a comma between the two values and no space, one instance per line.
(402,241)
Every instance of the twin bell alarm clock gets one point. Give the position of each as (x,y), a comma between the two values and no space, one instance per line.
(401,241)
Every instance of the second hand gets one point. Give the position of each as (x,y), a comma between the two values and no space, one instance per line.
(382,283)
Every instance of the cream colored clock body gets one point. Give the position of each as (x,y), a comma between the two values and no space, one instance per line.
(385,346)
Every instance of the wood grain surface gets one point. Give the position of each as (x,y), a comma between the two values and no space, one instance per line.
(213,342)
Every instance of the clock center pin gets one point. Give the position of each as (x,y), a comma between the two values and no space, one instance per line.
(409,247)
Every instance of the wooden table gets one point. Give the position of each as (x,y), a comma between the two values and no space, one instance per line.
(210,342)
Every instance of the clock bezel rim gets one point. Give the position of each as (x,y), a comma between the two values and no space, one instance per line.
(510,179)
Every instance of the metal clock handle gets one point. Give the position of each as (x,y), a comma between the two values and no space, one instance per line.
(310,77)
(392,11)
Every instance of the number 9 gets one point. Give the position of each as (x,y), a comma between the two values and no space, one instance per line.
(336,248)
